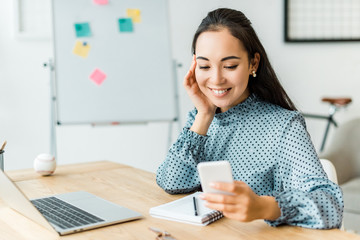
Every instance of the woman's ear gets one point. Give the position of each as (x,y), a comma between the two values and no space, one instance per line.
(255,62)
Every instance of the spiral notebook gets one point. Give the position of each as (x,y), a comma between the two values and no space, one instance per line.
(182,210)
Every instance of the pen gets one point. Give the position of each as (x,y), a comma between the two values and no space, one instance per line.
(3,146)
(195,207)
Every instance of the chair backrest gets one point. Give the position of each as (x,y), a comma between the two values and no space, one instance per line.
(331,172)
(344,150)
(329,169)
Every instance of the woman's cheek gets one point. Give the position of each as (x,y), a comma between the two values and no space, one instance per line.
(200,76)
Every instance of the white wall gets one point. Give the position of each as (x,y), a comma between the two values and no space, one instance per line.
(307,71)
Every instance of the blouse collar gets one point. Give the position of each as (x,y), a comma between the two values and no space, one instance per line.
(236,112)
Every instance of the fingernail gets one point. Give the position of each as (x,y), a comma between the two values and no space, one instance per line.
(212,184)
(202,196)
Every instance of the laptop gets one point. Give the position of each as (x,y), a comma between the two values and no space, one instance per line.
(65,213)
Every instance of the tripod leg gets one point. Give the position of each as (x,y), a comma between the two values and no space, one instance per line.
(326,133)
(333,122)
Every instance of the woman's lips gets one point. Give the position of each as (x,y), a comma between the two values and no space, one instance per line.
(220,92)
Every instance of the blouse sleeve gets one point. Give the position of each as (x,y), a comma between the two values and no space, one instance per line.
(178,174)
(307,198)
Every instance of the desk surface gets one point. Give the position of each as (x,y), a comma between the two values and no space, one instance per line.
(137,190)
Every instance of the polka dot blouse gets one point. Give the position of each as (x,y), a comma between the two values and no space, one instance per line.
(269,149)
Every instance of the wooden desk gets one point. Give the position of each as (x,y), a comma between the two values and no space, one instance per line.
(137,190)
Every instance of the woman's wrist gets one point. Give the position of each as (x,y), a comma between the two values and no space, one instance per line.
(270,209)
(202,123)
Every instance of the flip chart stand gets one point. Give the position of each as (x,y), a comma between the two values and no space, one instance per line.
(50,65)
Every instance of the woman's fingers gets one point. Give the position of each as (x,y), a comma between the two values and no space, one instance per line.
(234,187)
(222,207)
(232,211)
(193,64)
(192,71)
(238,193)
(234,190)
(189,79)
(218,198)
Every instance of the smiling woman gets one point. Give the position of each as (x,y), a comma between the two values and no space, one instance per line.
(243,115)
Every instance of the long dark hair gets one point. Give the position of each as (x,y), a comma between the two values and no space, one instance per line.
(265,85)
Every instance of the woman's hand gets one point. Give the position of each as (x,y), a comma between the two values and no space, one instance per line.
(206,109)
(243,204)
(201,102)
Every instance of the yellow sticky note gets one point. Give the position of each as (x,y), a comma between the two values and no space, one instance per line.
(81,49)
(134,13)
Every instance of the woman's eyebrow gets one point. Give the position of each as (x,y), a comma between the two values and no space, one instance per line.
(203,58)
(230,57)
(223,59)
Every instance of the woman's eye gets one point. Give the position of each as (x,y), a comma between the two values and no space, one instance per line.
(204,67)
(231,67)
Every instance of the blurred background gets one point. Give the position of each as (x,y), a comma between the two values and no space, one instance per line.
(308,72)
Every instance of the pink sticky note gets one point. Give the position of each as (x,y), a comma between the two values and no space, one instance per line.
(98,77)
(101,2)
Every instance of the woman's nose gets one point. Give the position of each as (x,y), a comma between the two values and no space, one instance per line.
(217,77)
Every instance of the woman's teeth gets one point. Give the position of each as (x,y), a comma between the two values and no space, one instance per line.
(219,92)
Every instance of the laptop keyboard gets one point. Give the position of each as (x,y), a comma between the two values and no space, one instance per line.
(64,214)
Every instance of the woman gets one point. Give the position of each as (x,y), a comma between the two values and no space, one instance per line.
(243,115)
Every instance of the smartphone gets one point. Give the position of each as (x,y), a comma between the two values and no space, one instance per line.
(215,171)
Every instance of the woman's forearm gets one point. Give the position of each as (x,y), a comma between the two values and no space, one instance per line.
(202,123)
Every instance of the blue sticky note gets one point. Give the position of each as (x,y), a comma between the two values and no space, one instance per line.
(126,25)
(82,29)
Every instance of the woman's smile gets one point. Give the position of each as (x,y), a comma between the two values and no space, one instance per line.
(220,92)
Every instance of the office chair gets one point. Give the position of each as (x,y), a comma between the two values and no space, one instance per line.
(331,173)
(344,153)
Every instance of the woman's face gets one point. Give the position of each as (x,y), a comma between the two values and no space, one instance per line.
(223,69)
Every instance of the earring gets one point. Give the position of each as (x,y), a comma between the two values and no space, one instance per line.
(253,73)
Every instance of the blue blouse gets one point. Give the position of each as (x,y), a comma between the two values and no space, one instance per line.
(269,149)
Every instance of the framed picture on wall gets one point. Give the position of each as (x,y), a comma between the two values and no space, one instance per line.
(32,19)
(322,20)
